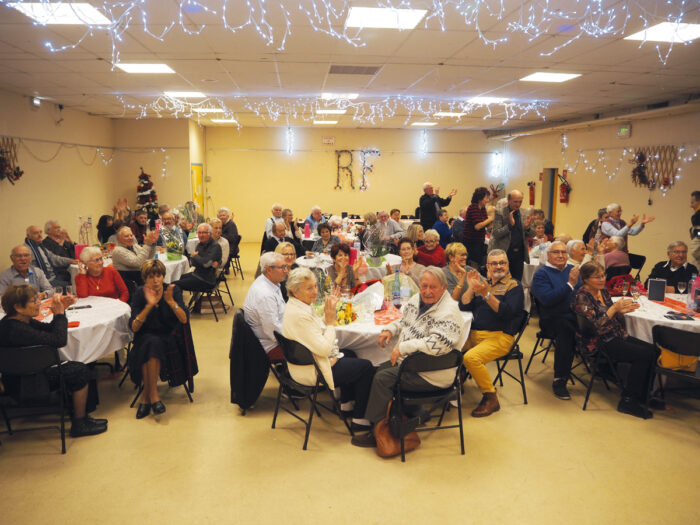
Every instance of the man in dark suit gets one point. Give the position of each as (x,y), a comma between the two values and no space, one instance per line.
(676,269)
(430,203)
(278,236)
(510,233)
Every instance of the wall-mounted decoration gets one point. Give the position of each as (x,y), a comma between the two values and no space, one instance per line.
(8,160)
(497,191)
(344,163)
(367,167)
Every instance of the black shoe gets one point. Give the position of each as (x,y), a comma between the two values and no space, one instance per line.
(84,427)
(96,421)
(143,410)
(630,406)
(560,390)
(357,427)
(158,408)
(657,404)
(364,440)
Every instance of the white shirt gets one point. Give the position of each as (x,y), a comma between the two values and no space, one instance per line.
(269,224)
(264,309)
(225,250)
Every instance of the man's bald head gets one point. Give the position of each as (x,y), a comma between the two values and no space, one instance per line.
(515,199)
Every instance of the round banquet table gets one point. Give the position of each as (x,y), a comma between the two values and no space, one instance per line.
(640,322)
(324,262)
(104,328)
(361,337)
(173,269)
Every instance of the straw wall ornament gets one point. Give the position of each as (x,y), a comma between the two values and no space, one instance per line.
(8,160)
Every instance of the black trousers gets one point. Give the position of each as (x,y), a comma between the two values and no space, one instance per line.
(193,283)
(516,260)
(642,358)
(476,251)
(354,378)
(564,332)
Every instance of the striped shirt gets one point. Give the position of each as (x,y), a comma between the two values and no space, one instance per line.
(475,215)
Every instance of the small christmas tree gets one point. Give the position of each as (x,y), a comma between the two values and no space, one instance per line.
(146,197)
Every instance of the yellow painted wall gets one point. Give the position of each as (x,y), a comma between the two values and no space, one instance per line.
(198,154)
(527,156)
(250,170)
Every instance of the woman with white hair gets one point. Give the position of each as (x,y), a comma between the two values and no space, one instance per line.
(615,256)
(614,226)
(353,376)
(578,252)
(95,279)
(431,253)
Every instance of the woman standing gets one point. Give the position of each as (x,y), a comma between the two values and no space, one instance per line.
(475,224)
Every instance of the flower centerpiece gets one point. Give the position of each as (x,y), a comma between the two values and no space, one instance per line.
(376,245)
(345,313)
(173,242)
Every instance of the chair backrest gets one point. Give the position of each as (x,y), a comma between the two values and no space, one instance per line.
(131,275)
(679,341)
(586,327)
(523,325)
(614,271)
(637,261)
(421,362)
(26,360)
(295,352)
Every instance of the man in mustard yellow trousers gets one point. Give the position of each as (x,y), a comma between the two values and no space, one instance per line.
(497,306)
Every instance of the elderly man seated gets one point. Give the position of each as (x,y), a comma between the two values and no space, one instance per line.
(54,266)
(274,219)
(431,324)
(229,231)
(497,306)
(170,228)
(264,304)
(205,260)
(315,218)
(390,229)
(128,256)
(278,235)
(677,269)
(553,286)
(57,240)
(21,272)
(579,253)
(139,226)
(217,235)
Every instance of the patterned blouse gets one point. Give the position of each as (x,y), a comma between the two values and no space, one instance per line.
(584,303)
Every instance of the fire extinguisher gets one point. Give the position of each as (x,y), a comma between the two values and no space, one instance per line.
(531,184)
(564,188)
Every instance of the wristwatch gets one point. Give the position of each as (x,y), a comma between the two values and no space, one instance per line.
(486,297)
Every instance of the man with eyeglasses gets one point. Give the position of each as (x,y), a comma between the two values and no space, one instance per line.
(22,272)
(553,286)
(264,305)
(677,269)
(497,306)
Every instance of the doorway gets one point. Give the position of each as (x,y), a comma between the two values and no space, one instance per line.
(548,201)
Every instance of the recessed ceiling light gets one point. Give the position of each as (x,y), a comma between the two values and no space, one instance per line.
(146,68)
(335,96)
(486,100)
(668,32)
(384,17)
(448,114)
(184,94)
(224,120)
(330,111)
(325,122)
(208,110)
(424,124)
(544,76)
(61,13)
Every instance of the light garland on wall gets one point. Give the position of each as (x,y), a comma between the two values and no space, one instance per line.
(536,18)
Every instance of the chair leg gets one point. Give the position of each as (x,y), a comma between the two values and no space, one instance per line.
(311,417)
(140,389)
(522,380)
(538,342)
(588,390)
(212,307)
(7,420)
(187,391)
(277,405)
(459,415)
(126,373)
(63,414)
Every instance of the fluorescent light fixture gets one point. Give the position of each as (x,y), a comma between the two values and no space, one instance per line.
(208,110)
(448,114)
(544,76)
(336,96)
(384,17)
(668,32)
(325,122)
(184,94)
(486,100)
(63,13)
(224,120)
(330,111)
(146,68)
(424,124)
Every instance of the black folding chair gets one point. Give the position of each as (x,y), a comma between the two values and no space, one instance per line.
(683,343)
(514,354)
(542,336)
(439,398)
(221,279)
(614,271)
(29,363)
(637,263)
(296,353)
(236,259)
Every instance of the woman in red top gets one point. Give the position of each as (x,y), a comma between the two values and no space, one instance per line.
(431,253)
(96,279)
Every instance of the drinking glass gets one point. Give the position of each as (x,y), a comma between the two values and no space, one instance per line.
(681,287)
(58,290)
(625,288)
(69,290)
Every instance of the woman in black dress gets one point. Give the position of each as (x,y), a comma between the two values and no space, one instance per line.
(155,312)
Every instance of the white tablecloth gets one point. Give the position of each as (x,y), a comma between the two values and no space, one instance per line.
(529,270)
(192,244)
(639,323)
(362,338)
(173,269)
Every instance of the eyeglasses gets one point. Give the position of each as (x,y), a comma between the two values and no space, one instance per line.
(95,260)
(598,276)
(282,267)
(558,252)
(498,263)
(679,252)
(289,254)
(21,256)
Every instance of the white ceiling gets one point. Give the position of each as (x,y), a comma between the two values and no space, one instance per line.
(425,63)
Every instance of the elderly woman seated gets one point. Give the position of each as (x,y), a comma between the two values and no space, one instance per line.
(579,253)
(614,256)
(456,269)
(288,251)
(416,234)
(593,301)
(18,328)
(324,243)
(98,280)
(156,310)
(205,259)
(353,376)
(431,253)
(540,237)
(341,273)
(409,267)
(128,255)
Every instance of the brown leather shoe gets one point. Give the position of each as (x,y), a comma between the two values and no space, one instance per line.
(487,406)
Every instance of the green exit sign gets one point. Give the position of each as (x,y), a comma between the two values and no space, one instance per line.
(624,131)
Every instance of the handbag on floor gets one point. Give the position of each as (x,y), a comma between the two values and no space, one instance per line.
(674,361)
(388,445)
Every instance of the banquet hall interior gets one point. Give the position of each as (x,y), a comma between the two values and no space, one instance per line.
(287,102)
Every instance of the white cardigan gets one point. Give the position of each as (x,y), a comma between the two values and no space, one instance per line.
(300,324)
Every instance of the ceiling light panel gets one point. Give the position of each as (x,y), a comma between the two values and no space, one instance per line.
(208,110)
(325,122)
(668,32)
(424,124)
(62,13)
(487,100)
(448,114)
(224,121)
(146,68)
(330,111)
(545,76)
(184,94)
(384,18)
(336,96)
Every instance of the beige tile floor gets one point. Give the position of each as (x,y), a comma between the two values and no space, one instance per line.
(545,462)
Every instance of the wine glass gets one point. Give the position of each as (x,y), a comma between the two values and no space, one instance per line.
(58,290)
(69,290)
(681,287)
(625,288)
